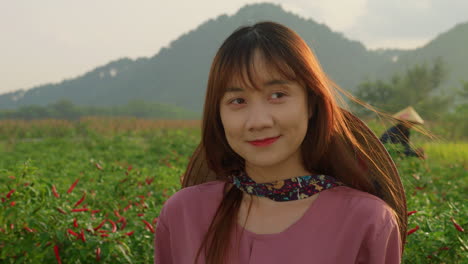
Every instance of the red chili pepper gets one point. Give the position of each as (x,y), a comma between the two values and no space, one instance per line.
(29,229)
(75,223)
(116,212)
(57,255)
(10,193)
(457,226)
(54,191)
(98,166)
(130,233)
(71,232)
(82,236)
(73,186)
(80,210)
(148,225)
(3,200)
(412,212)
(98,254)
(114,226)
(12,203)
(81,200)
(149,180)
(61,211)
(104,235)
(124,180)
(167,163)
(444,248)
(103,231)
(100,225)
(123,221)
(141,214)
(413,230)
(128,207)
(155,220)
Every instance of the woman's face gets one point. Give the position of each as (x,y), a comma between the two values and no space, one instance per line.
(265,127)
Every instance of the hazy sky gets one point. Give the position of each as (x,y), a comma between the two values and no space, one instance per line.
(50,40)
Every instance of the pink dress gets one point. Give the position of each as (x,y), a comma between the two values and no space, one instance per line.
(342,225)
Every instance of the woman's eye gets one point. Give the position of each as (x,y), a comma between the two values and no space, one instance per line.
(277,95)
(237,101)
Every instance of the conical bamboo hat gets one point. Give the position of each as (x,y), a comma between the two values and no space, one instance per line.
(409,114)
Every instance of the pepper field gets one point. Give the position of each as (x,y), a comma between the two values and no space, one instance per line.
(91,190)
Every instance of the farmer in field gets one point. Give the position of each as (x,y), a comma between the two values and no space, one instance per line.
(283,174)
(400,133)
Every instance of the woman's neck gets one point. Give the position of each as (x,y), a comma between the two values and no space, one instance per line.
(283,171)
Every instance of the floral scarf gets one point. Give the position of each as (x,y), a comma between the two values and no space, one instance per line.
(296,188)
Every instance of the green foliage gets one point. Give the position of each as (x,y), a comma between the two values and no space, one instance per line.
(65,109)
(458,116)
(418,87)
(463,92)
(121,180)
(435,189)
(130,175)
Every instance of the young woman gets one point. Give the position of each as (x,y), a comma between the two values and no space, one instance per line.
(282,174)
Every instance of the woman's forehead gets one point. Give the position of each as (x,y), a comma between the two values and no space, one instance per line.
(258,74)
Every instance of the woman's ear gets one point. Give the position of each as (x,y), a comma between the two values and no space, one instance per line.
(310,104)
(310,108)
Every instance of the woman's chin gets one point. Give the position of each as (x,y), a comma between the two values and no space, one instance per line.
(263,162)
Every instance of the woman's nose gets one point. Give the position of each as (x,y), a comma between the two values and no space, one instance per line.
(259,117)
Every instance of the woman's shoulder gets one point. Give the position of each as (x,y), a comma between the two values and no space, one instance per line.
(361,204)
(195,191)
(194,197)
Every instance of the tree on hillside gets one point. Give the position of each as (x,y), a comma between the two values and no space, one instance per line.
(456,120)
(463,92)
(417,87)
(64,109)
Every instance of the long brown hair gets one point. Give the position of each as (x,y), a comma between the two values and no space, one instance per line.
(336,143)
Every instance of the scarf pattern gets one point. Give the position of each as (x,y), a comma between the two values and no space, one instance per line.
(296,188)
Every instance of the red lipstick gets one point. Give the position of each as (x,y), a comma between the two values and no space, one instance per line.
(264,142)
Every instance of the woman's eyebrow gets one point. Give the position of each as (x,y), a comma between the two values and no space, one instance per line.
(234,89)
(266,84)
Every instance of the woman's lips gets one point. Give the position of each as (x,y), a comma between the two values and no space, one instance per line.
(264,142)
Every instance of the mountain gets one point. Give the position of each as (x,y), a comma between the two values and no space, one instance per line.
(451,46)
(177,74)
